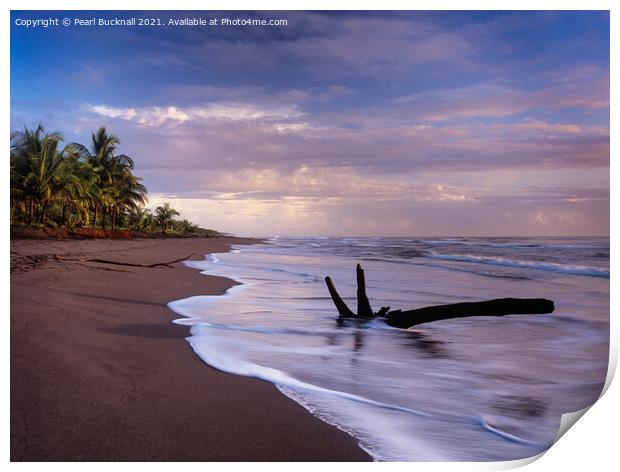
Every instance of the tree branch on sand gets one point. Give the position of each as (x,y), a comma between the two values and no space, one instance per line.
(408,318)
(106,261)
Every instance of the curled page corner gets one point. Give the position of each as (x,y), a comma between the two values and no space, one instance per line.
(511,465)
(568,421)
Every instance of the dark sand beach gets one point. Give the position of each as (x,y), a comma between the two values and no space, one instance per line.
(99,373)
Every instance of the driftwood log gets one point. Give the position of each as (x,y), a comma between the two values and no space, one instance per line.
(409,318)
(129,264)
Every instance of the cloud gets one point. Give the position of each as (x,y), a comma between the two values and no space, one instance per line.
(262,215)
(353,122)
(226,112)
(493,100)
(547,128)
(259,96)
(111,112)
(329,46)
(384,142)
(401,44)
(355,172)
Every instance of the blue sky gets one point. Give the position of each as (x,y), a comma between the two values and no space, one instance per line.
(443,123)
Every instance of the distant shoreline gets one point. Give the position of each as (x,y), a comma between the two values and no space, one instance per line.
(98,372)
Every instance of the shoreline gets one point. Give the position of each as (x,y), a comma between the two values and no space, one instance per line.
(100,373)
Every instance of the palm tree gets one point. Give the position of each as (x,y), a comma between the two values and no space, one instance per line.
(80,191)
(65,186)
(17,173)
(127,193)
(37,169)
(186,227)
(139,218)
(112,169)
(165,215)
(25,146)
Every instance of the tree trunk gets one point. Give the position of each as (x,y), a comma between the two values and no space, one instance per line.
(113,216)
(95,218)
(363,305)
(497,307)
(43,212)
(409,318)
(341,306)
(30,212)
(64,211)
(103,215)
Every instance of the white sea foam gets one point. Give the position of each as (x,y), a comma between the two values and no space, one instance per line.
(501,261)
(448,392)
(210,348)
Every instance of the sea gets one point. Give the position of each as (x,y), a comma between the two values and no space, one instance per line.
(468,389)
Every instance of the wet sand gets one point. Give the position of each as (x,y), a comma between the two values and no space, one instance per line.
(99,373)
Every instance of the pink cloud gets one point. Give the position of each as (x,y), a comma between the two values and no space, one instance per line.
(586,89)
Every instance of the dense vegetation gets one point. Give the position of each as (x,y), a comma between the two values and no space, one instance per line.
(74,186)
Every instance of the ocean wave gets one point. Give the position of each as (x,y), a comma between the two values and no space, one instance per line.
(285,337)
(245,329)
(482,273)
(213,259)
(469,270)
(501,261)
(208,349)
(512,245)
(216,350)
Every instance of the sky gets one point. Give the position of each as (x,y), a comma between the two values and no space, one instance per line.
(341,123)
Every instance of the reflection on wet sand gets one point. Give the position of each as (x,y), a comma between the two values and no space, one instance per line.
(423,343)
